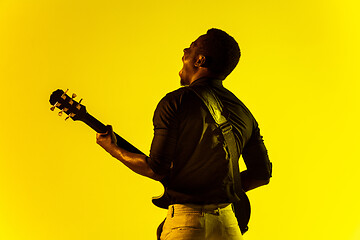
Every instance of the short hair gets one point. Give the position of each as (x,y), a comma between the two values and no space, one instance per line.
(221,50)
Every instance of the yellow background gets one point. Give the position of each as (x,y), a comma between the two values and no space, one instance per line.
(298,74)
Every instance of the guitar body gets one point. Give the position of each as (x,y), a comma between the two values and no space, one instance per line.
(242,212)
(161,201)
(59,99)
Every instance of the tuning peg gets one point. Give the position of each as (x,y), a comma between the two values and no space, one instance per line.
(79,106)
(63,110)
(70,115)
(63,96)
(71,101)
(57,104)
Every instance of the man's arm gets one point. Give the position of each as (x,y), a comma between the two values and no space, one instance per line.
(136,162)
(248,183)
(259,167)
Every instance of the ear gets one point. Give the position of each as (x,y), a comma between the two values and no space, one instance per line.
(200,61)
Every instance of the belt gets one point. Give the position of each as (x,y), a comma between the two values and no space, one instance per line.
(215,209)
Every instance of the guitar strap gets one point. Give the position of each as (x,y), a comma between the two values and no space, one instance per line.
(220,115)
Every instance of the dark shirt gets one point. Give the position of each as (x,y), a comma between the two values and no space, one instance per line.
(187,147)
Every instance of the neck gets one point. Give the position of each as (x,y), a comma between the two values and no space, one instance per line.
(202,73)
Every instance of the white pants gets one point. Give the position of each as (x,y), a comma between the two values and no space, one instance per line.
(201,222)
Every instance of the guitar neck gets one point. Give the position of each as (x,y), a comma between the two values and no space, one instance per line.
(101,128)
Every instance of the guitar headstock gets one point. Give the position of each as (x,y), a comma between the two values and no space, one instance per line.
(59,99)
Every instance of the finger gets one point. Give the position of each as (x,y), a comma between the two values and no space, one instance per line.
(109,128)
(102,134)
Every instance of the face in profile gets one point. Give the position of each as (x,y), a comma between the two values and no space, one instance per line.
(189,59)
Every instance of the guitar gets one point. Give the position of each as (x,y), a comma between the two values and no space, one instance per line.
(77,112)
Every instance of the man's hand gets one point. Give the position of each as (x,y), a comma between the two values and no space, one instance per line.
(107,140)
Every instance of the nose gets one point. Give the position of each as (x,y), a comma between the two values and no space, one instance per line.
(185,49)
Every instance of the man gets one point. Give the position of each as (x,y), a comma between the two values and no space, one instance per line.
(187,153)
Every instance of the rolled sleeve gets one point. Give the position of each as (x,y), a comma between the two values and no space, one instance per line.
(256,157)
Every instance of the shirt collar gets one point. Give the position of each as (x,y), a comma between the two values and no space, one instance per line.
(207,81)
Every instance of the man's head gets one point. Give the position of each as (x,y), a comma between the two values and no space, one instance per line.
(214,54)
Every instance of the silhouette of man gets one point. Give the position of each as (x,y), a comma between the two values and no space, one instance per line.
(187,152)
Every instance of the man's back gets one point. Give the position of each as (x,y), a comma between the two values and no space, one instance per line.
(188,145)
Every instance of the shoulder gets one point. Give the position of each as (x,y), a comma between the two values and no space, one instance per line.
(179,94)
(176,99)
(175,104)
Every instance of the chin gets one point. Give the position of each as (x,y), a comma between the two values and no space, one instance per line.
(182,81)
